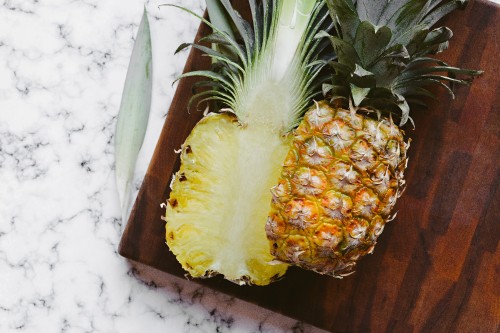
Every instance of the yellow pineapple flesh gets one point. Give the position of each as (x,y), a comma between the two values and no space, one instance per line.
(340,180)
(220,197)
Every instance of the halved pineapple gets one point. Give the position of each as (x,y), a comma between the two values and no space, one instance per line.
(344,171)
(265,78)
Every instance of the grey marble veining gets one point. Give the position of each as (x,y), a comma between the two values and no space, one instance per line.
(62,68)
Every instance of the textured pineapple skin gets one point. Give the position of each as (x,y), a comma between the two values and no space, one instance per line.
(338,185)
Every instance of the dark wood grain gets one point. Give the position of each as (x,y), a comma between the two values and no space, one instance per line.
(437,266)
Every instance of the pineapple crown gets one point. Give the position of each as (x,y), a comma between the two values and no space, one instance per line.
(382,48)
(278,47)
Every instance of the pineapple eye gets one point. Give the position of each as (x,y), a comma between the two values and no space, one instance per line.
(309,181)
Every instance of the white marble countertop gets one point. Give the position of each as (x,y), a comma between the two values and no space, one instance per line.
(62,68)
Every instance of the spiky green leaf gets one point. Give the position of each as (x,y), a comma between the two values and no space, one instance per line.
(133,114)
(219,18)
(358,94)
(370,42)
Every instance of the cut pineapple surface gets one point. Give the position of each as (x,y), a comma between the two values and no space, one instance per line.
(220,199)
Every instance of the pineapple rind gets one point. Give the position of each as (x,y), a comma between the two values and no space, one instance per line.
(339,183)
(220,199)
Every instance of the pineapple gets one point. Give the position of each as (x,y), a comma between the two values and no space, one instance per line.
(344,170)
(265,75)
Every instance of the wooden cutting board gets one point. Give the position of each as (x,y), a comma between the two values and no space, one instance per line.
(437,266)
